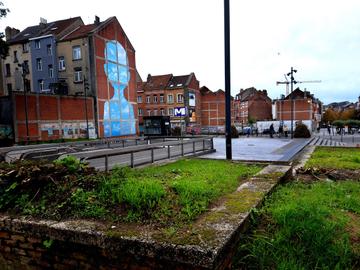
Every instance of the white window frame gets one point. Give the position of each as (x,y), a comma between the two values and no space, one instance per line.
(49,49)
(38,64)
(51,71)
(139,99)
(37,44)
(76,53)
(149,112)
(41,85)
(148,99)
(155,112)
(161,98)
(78,76)
(62,63)
(171,111)
(155,98)
(180,100)
(162,112)
(25,47)
(170,98)
(140,112)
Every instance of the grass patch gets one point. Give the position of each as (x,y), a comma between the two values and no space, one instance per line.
(335,158)
(305,227)
(171,194)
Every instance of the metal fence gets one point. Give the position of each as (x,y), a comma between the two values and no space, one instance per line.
(147,154)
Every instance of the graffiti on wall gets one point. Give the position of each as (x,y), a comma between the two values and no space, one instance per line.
(6,132)
(70,130)
(119,116)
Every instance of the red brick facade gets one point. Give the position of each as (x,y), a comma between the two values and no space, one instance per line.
(161,94)
(305,107)
(51,117)
(213,108)
(252,103)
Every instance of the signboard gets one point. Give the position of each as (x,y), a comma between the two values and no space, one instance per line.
(192,100)
(180,111)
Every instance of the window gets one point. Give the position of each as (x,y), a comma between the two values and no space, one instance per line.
(171,111)
(61,63)
(49,49)
(149,112)
(139,99)
(170,99)
(161,98)
(77,75)
(180,98)
(7,70)
(155,99)
(162,111)
(37,44)
(15,57)
(25,47)
(38,64)
(147,99)
(140,112)
(41,85)
(51,71)
(76,53)
(155,112)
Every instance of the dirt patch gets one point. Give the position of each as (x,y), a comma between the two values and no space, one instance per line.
(310,175)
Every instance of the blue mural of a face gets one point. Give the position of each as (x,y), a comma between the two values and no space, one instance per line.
(119,116)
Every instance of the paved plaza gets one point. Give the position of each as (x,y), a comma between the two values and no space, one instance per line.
(259,148)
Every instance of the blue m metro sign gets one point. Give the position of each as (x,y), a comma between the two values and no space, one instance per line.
(180,111)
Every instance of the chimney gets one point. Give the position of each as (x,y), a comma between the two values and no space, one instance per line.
(148,77)
(10,32)
(264,92)
(97,20)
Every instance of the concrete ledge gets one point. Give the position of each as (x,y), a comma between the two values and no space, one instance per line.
(208,243)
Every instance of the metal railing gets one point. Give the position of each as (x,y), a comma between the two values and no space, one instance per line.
(146,154)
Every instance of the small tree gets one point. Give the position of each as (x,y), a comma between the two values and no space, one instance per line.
(302,131)
(4,47)
(234,132)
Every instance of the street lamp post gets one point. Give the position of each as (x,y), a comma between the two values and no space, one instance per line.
(227,79)
(86,87)
(25,70)
(292,82)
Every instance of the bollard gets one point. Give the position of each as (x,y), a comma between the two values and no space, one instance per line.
(203,145)
(182,148)
(132,159)
(106,163)
(152,155)
(169,152)
(194,147)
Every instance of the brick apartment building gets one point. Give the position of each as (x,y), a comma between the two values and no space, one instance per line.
(252,103)
(213,109)
(163,94)
(71,68)
(305,108)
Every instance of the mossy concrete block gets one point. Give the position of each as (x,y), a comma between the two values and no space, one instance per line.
(208,243)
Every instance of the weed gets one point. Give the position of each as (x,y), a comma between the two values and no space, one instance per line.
(71,163)
(48,243)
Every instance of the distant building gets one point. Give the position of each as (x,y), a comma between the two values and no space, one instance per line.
(213,109)
(305,108)
(169,95)
(252,103)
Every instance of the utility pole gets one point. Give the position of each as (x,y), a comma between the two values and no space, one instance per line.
(227,79)
(292,81)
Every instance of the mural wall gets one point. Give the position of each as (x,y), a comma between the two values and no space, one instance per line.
(116,82)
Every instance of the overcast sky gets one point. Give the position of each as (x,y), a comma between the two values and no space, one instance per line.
(319,38)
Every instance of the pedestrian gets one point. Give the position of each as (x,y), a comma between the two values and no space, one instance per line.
(286,130)
(280,130)
(272,130)
(328,128)
(256,131)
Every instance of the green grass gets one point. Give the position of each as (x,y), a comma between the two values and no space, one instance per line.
(335,158)
(305,227)
(170,194)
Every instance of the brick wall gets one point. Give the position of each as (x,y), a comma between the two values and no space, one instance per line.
(303,109)
(50,117)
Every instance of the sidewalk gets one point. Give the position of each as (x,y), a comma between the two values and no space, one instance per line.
(259,149)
